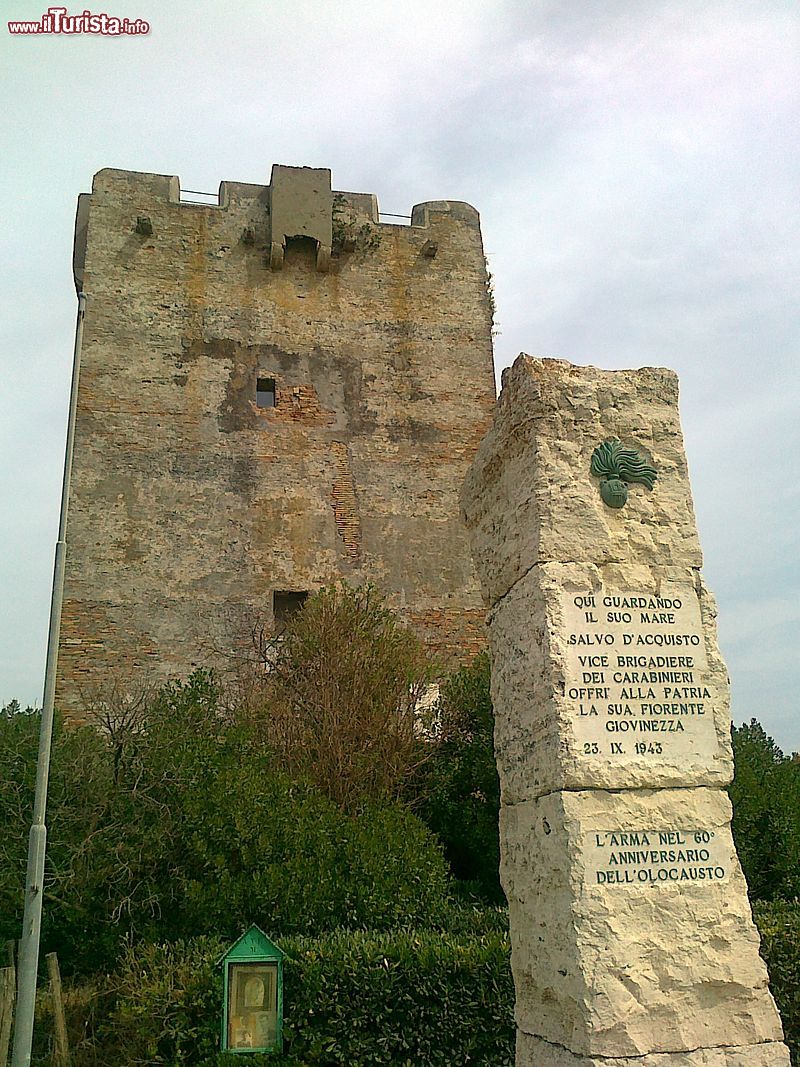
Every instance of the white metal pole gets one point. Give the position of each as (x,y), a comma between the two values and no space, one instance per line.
(28,960)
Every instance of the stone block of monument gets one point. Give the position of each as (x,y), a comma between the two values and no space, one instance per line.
(632,939)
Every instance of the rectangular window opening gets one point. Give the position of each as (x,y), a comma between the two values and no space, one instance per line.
(265,392)
(285,605)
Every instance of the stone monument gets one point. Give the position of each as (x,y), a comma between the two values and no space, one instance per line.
(632,939)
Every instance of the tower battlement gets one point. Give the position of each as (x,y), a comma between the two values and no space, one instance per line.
(342,212)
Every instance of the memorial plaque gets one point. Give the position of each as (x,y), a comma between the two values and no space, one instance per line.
(637,675)
(657,857)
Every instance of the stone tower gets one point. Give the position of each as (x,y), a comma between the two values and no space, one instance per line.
(276,391)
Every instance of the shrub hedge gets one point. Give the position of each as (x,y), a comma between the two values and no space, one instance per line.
(778,923)
(362,998)
(402,998)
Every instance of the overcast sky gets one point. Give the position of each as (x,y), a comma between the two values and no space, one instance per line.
(636,169)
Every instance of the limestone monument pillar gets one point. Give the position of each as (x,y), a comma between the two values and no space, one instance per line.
(632,939)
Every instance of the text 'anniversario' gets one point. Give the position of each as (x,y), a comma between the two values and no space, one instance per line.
(656,857)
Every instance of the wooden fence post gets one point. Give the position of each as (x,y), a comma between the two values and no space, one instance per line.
(7,992)
(61,1057)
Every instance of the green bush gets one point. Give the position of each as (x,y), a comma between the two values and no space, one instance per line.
(187,826)
(403,998)
(19,740)
(77,827)
(779,925)
(459,788)
(167,1005)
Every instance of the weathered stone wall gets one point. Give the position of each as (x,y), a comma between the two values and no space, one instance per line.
(190,504)
(632,938)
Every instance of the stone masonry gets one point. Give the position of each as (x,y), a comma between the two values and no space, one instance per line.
(631,934)
(276,391)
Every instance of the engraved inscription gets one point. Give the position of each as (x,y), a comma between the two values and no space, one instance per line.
(637,674)
(657,857)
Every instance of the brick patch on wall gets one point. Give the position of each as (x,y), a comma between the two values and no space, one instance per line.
(343,502)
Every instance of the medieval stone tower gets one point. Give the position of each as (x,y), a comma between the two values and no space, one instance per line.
(276,391)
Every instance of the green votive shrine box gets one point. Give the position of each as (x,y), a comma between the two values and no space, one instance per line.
(252,1001)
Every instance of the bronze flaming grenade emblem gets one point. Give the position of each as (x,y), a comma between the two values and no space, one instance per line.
(617,467)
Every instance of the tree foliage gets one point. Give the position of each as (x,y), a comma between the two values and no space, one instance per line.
(765,794)
(181,822)
(460,791)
